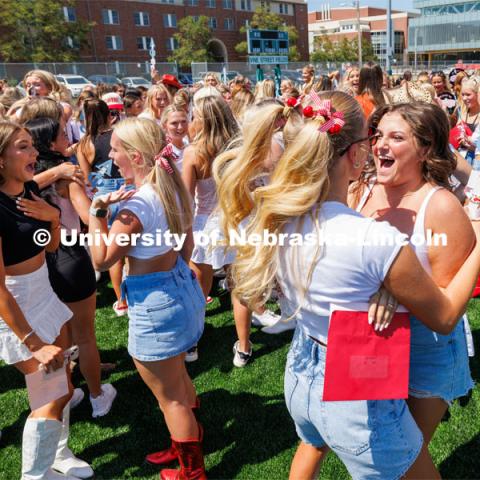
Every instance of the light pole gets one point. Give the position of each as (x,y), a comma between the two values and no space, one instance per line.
(389,38)
(359,33)
(415,61)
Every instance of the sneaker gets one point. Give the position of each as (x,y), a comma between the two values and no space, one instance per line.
(240,359)
(223,284)
(265,319)
(209,300)
(280,327)
(77,397)
(120,311)
(103,403)
(98,276)
(192,354)
(220,273)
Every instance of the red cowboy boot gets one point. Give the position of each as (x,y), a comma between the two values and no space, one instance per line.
(190,457)
(167,456)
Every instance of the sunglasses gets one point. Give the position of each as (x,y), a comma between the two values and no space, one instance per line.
(372,138)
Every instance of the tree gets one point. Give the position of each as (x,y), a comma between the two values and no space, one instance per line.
(36,31)
(192,38)
(343,51)
(263,19)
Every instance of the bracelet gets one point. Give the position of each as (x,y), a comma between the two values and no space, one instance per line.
(28,335)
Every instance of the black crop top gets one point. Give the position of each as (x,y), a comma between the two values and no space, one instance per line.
(16,230)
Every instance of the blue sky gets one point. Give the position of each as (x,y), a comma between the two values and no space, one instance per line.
(396,4)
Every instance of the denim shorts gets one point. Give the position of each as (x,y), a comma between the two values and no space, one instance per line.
(375,439)
(166,312)
(439,365)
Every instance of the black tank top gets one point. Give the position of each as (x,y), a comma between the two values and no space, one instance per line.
(102,147)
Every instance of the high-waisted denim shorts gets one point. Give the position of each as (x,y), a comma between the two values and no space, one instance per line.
(375,439)
(439,365)
(166,312)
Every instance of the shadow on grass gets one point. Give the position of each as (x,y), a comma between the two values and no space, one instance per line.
(462,463)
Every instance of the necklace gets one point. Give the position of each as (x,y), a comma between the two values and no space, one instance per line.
(16,197)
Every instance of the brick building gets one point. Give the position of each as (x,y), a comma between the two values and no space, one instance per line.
(124,27)
(342,22)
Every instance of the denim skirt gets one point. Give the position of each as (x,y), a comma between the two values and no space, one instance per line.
(166,312)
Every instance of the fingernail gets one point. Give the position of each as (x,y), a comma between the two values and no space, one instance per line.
(376,327)
(370,320)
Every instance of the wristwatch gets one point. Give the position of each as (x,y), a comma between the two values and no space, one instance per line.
(98,212)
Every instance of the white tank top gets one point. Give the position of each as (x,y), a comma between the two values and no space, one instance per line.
(205,196)
(420,246)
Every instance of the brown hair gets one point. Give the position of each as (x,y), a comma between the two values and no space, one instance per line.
(7,131)
(371,81)
(41,107)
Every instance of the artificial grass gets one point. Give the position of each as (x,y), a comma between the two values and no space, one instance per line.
(248,431)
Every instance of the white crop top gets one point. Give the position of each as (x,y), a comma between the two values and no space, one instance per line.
(148,208)
(351,266)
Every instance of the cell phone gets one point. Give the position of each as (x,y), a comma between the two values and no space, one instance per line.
(71,353)
(32,91)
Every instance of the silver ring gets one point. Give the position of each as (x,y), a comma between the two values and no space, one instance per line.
(390,305)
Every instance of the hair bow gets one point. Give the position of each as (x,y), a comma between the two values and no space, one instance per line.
(162,158)
(334,121)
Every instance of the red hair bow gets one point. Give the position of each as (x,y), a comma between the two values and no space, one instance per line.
(334,121)
(162,159)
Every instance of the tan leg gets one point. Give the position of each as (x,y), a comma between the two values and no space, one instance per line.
(423,468)
(116,272)
(307,462)
(204,275)
(243,320)
(428,413)
(165,378)
(82,327)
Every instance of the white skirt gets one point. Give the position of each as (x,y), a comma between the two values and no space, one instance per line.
(42,309)
(209,241)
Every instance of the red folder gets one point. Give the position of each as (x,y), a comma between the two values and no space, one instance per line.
(363,364)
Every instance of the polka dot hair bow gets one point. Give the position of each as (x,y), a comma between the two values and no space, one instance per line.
(334,121)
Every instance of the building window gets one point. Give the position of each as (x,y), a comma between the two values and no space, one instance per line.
(211,3)
(212,23)
(246,5)
(69,14)
(114,42)
(168,1)
(228,23)
(284,8)
(141,19)
(110,17)
(227,4)
(191,3)
(196,18)
(170,20)
(172,44)
(143,43)
(72,43)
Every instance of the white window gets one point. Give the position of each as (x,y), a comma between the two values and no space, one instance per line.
(141,19)
(212,23)
(284,8)
(228,23)
(69,14)
(172,44)
(143,43)
(211,3)
(170,20)
(227,4)
(114,42)
(110,17)
(246,5)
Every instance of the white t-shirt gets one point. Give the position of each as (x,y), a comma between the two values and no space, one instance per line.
(148,208)
(179,159)
(351,266)
(150,116)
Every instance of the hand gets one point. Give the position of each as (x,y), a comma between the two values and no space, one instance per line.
(381,310)
(38,209)
(69,171)
(50,356)
(104,201)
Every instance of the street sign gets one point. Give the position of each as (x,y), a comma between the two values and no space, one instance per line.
(267,59)
(273,42)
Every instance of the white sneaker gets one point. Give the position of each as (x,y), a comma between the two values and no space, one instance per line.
(69,465)
(103,403)
(265,319)
(120,311)
(192,354)
(223,284)
(77,397)
(240,359)
(280,327)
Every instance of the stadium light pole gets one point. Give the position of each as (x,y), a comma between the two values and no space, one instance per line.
(356,4)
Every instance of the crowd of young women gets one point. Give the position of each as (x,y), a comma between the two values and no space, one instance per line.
(327,156)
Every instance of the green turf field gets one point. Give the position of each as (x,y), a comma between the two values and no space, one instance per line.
(248,431)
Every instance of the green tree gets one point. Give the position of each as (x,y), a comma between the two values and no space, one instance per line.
(192,38)
(36,31)
(263,19)
(343,51)
(368,54)
(325,50)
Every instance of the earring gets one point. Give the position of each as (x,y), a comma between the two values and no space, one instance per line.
(356,164)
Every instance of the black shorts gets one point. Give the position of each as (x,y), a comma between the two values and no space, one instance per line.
(71,273)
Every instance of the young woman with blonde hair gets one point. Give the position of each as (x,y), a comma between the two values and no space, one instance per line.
(175,127)
(33,321)
(241,100)
(264,90)
(158,98)
(166,305)
(307,195)
(308,77)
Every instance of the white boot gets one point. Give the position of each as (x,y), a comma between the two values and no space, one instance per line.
(40,440)
(65,461)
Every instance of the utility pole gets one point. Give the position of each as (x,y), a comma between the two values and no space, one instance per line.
(389,38)
(359,33)
(415,62)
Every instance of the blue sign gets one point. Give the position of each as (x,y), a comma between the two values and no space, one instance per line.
(267,59)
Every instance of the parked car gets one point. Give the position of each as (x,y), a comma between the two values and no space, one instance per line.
(133,82)
(294,76)
(74,83)
(185,78)
(109,79)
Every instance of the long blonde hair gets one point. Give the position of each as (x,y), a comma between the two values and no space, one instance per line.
(152,92)
(264,89)
(144,136)
(7,132)
(241,100)
(299,186)
(55,88)
(218,128)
